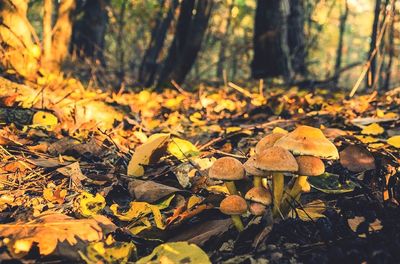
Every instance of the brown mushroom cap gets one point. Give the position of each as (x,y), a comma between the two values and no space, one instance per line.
(310,166)
(357,159)
(251,169)
(257,208)
(267,142)
(227,169)
(306,140)
(233,205)
(259,195)
(276,159)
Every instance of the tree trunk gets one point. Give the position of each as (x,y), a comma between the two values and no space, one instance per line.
(17,50)
(296,38)
(271,50)
(47,28)
(62,32)
(374,34)
(190,30)
(391,46)
(150,62)
(339,51)
(120,54)
(89,31)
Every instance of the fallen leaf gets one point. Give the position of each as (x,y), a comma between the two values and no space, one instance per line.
(99,252)
(44,120)
(372,129)
(50,229)
(176,252)
(357,220)
(73,171)
(150,191)
(182,149)
(329,183)
(147,153)
(310,211)
(394,141)
(89,204)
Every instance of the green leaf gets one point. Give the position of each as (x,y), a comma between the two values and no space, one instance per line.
(176,252)
(329,183)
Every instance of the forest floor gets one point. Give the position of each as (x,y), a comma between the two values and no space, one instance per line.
(74,186)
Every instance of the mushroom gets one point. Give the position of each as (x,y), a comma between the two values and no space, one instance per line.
(227,169)
(234,205)
(276,160)
(357,158)
(308,166)
(252,170)
(306,140)
(267,142)
(259,198)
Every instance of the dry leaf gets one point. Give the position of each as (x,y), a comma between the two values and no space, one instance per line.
(182,149)
(373,129)
(394,141)
(50,229)
(356,221)
(147,153)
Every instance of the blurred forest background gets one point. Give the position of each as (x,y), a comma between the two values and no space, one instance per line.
(131,43)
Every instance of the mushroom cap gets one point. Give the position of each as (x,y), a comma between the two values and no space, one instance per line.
(233,205)
(276,159)
(310,166)
(257,209)
(306,140)
(357,159)
(227,169)
(259,195)
(267,142)
(251,169)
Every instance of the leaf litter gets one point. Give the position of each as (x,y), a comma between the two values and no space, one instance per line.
(123,177)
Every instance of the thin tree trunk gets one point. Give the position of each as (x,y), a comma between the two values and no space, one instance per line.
(224,42)
(374,34)
(89,31)
(339,51)
(47,28)
(150,63)
(270,41)
(391,47)
(62,32)
(296,37)
(120,51)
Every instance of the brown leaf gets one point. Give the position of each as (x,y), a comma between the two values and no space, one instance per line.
(74,172)
(50,229)
(150,191)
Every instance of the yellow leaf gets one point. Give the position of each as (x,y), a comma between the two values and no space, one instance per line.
(311,211)
(193,201)
(373,129)
(366,139)
(182,149)
(232,129)
(218,189)
(176,252)
(394,141)
(146,153)
(117,252)
(280,130)
(90,205)
(44,120)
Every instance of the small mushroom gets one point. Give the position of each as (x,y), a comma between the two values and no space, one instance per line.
(227,169)
(259,198)
(357,159)
(234,205)
(306,140)
(308,166)
(267,142)
(276,160)
(257,174)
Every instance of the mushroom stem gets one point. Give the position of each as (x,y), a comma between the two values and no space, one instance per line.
(237,222)
(294,193)
(257,181)
(230,185)
(277,188)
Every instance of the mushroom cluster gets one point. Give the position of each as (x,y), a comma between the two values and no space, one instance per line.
(299,153)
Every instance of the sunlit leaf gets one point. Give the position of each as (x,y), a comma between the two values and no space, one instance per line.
(373,129)
(182,149)
(117,252)
(394,141)
(90,204)
(176,252)
(44,120)
(146,153)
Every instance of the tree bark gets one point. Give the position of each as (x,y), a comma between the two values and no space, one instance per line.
(190,30)
(150,62)
(88,36)
(17,50)
(374,34)
(339,51)
(62,32)
(296,37)
(270,41)
(47,28)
